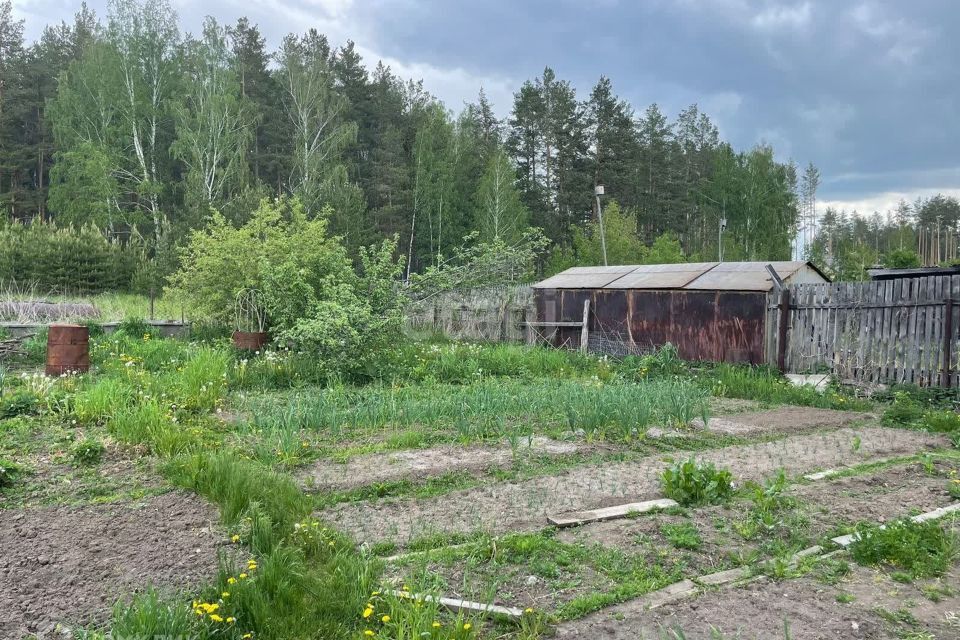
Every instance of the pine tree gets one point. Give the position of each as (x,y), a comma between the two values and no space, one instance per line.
(270,149)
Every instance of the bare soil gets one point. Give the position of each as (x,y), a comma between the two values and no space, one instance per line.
(884,495)
(781,420)
(417,464)
(758,611)
(69,565)
(524,505)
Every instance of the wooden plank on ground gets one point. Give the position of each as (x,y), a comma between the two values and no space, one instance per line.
(609,513)
(463,605)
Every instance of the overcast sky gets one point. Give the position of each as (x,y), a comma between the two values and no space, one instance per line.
(867,90)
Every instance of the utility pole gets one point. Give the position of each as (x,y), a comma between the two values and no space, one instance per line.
(597,192)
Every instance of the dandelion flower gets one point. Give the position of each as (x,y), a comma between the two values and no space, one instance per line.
(385,619)
(243,576)
(467,626)
(215,617)
(225,594)
(368,633)
(368,611)
(437,625)
(231,619)
(235,538)
(528,610)
(231,580)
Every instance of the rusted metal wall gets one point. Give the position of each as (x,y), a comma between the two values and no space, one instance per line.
(720,326)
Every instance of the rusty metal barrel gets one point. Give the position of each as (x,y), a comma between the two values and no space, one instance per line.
(250,340)
(68,349)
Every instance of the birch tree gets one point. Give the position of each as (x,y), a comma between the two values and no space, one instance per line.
(316,113)
(214,126)
(146,39)
(501,214)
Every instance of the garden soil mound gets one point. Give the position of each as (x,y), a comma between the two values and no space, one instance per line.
(781,420)
(68,565)
(418,464)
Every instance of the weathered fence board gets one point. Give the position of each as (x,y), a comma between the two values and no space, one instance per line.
(496,314)
(890,331)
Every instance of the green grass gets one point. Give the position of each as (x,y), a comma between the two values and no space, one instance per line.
(919,549)
(683,535)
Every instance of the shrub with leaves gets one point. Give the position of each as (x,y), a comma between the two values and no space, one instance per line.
(696,483)
(920,548)
(312,298)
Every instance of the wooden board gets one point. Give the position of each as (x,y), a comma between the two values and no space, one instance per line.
(463,605)
(609,513)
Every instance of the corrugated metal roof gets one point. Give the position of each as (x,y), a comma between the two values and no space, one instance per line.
(744,276)
(715,276)
(585,277)
(662,276)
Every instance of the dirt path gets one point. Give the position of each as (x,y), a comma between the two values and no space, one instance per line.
(524,505)
(417,464)
(70,564)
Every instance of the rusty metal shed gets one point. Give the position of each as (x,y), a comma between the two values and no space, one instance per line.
(710,310)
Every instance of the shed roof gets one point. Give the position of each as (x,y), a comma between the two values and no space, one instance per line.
(715,276)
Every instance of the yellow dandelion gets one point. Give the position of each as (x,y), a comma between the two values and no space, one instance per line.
(235,538)
(437,625)
(467,626)
(368,611)
(215,617)
(231,619)
(528,610)
(231,580)
(368,633)
(385,619)
(243,576)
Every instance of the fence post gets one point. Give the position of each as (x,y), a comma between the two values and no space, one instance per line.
(782,329)
(945,370)
(584,331)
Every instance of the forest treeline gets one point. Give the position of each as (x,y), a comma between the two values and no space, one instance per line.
(129,125)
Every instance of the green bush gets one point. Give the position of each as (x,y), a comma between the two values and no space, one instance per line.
(921,548)
(301,283)
(87,452)
(696,483)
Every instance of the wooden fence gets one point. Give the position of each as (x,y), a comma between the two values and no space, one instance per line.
(888,331)
(496,314)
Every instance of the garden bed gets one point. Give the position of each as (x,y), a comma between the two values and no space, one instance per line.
(68,565)
(418,464)
(523,506)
